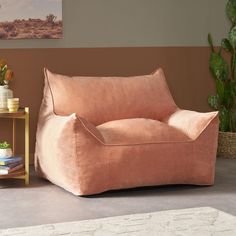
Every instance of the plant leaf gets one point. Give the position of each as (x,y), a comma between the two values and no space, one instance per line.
(234,88)
(213,101)
(232,37)
(210,41)
(233,120)
(218,66)
(229,95)
(231,10)
(224,119)
(233,64)
(225,43)
(220,89)
(5,145)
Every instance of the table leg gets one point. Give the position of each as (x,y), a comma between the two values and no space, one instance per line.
(14,136)
(27,146)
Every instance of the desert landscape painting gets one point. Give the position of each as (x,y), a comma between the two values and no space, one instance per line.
(30,19)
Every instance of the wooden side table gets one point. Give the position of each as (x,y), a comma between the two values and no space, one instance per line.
(22,113)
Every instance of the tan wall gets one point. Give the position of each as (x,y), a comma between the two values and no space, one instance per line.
(134,23)
(186,69)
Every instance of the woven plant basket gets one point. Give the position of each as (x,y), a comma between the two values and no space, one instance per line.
(227,145)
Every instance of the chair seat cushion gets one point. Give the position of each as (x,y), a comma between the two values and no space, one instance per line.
(139,131)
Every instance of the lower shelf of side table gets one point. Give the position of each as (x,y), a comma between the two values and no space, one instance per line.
(18,173)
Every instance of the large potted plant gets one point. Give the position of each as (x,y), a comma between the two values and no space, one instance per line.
(222,66)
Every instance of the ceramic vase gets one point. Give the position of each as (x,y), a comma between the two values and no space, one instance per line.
(5,152)
(5,93)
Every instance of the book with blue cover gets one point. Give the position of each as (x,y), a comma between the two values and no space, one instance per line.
(11,160)
(10,166)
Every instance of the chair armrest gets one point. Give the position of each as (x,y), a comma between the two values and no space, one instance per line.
(56,133)
(55,125)
(191,123)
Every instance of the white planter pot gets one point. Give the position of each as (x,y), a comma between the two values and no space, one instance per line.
(5,93)
(5,153)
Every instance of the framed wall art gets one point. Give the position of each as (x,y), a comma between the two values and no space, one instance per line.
(30,19)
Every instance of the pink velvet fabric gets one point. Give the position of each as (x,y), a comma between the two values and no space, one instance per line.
(87,149)
(139,131)
(113,98)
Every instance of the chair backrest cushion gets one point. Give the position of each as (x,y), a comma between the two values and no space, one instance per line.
(102,99)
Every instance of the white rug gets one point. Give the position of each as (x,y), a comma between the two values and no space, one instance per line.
(203,221)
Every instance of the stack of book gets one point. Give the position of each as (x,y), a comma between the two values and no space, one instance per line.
(11,165)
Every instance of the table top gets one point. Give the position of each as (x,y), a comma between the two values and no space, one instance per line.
(6,113)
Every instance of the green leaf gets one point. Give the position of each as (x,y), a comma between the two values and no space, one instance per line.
(233,120)
(224,119)
(5,145)
(233,64)
(220,89)
(225,43)
(231,10)
(229,94)
(213,101)
(234,88)
(210,41)
(218,66)
(232,37)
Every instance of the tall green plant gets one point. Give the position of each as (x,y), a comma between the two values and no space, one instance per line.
(225,75)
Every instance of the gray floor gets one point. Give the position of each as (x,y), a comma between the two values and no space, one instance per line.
(42,202)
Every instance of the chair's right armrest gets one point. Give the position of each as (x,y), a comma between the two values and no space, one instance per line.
(192,123)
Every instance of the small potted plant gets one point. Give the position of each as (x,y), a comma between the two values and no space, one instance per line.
(5,150)
(224,75)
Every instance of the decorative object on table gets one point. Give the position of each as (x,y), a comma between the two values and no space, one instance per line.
(6,75)
(7,169)
(5,150)
(13,104)
(32,19)
(225,80)
(11,165)
(7,161)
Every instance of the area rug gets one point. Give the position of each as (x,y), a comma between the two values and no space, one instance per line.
(204,221)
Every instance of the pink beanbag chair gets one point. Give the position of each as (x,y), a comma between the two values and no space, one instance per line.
(102,133)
